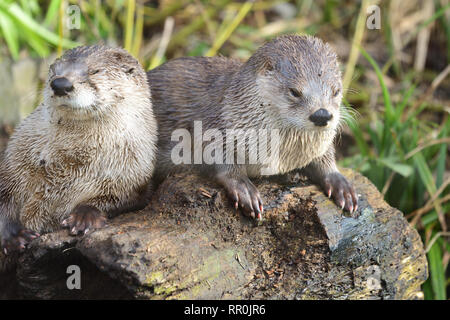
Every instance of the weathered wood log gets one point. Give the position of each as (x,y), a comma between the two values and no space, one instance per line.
(190,244)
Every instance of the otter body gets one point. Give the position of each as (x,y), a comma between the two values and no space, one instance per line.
(85,152)
(291,85)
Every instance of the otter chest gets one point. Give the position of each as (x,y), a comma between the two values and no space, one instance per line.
(297,150)
(76,158)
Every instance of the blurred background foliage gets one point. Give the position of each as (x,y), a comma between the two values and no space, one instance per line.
(396,78)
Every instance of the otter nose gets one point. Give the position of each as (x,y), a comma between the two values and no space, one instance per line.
(321,117)
(61,86)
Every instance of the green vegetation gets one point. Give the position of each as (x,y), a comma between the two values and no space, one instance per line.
(397,78)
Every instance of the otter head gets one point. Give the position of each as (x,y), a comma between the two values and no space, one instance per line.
(299,80)
(90,81)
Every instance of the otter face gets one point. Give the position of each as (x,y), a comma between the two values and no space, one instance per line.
(91,80)
(300,81)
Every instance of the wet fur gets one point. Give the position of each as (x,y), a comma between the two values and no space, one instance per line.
(282,84)
(227,94)
(59,157)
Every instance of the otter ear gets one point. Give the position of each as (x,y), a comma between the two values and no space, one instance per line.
(119,56)
(128,69)
(266,67)
(126,62)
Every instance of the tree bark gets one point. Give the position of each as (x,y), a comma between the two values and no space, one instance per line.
(189,243)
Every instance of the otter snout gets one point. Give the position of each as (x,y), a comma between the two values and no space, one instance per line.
(61,86)
(321,117)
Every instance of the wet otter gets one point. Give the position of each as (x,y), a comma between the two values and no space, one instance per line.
(291,84)
(86,151)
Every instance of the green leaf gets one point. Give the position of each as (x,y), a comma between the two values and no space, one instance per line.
(432,216)
(38,45)
(442,159)
(405,100)
(358,134)
(437,274)
(386,95)
(424,173)
(52,11)
(10,34)
(402,169)
(16,13)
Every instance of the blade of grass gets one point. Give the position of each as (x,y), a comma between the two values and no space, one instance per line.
(129,24)
(437,273)
(10,34)
(181,36)
(385,91)
(402,169)
(165,39)
(358,134)
(427,179)
(106,23)
(60,28)
(403,104)
(156,16)
(36,43)
(424,24)
(52,11)
(220,40)
(446,26)
(440,167)
(138,31)
(16,13)
(356,41)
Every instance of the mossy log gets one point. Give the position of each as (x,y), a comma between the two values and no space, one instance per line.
(189,243)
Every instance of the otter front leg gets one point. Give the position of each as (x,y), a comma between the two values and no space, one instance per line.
(241,191)
(84,217)
(343,193)
(13,235)
(324,172)
(92,214)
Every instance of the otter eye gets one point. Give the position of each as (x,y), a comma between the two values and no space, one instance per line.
(336,92)
(94,71)
(295,93)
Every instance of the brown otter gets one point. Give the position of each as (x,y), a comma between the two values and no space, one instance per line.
(292,84)
(86,151)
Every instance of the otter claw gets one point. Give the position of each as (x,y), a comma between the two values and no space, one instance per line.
(244,194)
(84,218)
(18,239)
(338,187)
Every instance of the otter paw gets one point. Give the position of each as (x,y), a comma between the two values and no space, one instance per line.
(17,239)
(338,187)
(84,218)
(244,195)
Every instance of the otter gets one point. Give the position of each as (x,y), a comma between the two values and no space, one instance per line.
(291,84)
(85,153)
